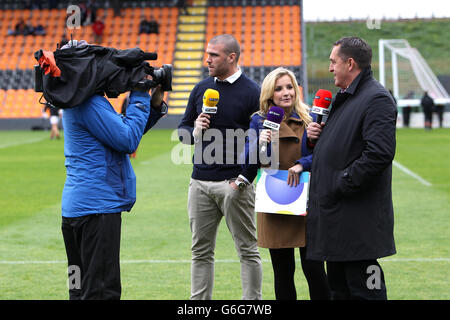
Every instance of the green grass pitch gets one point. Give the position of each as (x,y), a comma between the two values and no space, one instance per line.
(155,247)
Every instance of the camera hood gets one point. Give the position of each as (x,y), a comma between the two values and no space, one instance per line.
(86,70)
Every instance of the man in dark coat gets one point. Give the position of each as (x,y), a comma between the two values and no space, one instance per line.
(427,104)
(350,218)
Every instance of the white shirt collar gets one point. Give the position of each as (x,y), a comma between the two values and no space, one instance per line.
(231,78)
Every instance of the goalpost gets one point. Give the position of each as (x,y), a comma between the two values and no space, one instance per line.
(410,74)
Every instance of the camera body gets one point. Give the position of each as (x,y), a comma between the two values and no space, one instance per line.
(70,75)
(161,76)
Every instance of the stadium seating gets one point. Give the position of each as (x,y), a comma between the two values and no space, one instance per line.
(17,59)
(269,32)
(268,35)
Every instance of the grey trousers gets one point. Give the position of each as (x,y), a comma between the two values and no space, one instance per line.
(208,202)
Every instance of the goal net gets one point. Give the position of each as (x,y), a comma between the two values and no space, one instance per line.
(405,72)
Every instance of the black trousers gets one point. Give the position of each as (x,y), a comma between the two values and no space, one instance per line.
(406,111)
(283,263)
(93,247)
(356,280)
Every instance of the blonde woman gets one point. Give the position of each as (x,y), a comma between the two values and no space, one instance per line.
(282,233)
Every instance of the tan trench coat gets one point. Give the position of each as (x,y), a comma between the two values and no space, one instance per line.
(283,231)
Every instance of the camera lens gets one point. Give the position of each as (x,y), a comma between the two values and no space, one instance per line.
(163,76)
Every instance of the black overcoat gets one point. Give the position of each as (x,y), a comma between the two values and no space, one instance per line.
(350,214)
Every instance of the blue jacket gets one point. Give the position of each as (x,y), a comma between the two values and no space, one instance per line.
(97,141)
(252,145)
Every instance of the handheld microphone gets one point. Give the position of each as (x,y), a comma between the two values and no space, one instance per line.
(322,101)
(274,118)
(210,100)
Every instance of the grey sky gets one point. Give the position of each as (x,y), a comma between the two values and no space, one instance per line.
(326,10)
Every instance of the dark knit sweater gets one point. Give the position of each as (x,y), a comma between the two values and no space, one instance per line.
(237,102)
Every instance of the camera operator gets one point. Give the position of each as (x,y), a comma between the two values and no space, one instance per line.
(100,184)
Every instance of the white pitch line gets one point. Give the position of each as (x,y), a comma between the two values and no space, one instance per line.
(18,143)
(415,260)
(412,174)
(217,261)
(33,262)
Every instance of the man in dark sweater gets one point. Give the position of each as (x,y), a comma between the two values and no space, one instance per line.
(217,188)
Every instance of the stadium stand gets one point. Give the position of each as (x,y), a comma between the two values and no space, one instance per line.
(270,33)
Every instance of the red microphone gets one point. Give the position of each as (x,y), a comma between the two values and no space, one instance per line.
(322,101)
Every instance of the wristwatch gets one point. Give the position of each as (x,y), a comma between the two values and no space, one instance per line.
(240,183)
(164,108)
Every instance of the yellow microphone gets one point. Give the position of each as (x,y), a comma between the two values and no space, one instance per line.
(210,100)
